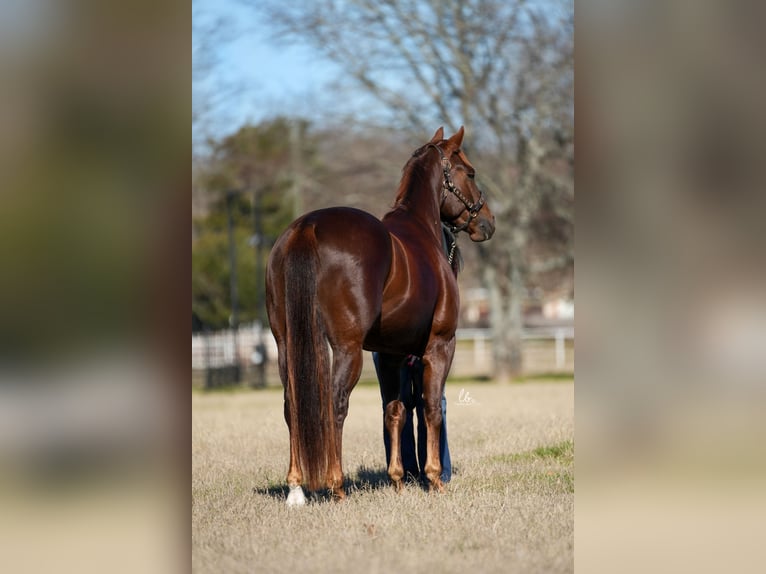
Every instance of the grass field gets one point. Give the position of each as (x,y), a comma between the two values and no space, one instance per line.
(508,508)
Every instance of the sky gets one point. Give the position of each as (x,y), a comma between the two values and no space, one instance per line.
(260,78)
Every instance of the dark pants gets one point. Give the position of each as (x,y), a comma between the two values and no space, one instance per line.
(411,394)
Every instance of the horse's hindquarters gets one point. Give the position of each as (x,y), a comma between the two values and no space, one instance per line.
(324,283)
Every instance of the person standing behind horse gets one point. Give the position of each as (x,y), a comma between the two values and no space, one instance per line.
(411,394)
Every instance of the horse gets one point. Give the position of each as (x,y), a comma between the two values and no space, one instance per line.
(341,278)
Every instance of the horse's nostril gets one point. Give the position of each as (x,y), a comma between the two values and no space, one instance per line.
(487,227)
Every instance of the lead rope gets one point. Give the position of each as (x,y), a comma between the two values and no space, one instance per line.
(451,255)
(450,245)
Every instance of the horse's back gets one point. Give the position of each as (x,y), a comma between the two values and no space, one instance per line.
(345,235)
(337,230)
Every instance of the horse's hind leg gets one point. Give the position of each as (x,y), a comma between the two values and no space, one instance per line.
(347,366)
(294,476)
(296,496)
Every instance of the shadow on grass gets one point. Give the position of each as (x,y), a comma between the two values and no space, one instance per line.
(363,479)
(376,479)
(273,491)
(366,478)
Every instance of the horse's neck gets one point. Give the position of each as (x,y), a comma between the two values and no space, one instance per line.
(417,201)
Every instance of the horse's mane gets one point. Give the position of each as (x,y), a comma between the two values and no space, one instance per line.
(415,173)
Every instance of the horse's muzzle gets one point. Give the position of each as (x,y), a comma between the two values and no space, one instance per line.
(484,229)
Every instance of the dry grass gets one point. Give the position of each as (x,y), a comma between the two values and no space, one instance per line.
(509,507)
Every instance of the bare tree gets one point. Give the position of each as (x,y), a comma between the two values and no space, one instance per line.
(502,68)
(212,91)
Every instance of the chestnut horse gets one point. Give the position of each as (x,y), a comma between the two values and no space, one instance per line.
(343,277)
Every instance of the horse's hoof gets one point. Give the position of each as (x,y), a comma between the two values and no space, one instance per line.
(338,495)
(436,486)
(296,497)
(398,484)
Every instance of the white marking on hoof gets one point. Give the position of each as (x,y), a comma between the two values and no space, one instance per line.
(296,496)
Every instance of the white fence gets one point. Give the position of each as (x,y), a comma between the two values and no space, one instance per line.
(216,349)
(545,350)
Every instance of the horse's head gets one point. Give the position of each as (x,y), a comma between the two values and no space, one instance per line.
(463,206)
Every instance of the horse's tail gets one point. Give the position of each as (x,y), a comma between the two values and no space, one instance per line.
(309,395)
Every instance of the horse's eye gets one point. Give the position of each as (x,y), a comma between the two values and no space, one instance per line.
(471,175)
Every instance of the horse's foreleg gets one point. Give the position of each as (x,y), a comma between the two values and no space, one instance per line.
(433,467)
(394,421)
(436,364)
(394,415)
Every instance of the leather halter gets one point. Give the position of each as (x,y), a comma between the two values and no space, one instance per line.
(449,186)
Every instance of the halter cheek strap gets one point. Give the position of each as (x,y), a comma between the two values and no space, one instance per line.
(449,186)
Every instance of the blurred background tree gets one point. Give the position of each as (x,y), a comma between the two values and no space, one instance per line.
(257,163)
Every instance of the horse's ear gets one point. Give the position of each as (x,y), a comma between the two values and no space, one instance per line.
(457,139)
(438,136)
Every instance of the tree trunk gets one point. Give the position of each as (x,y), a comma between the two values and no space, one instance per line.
(515,324)
(506,291)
